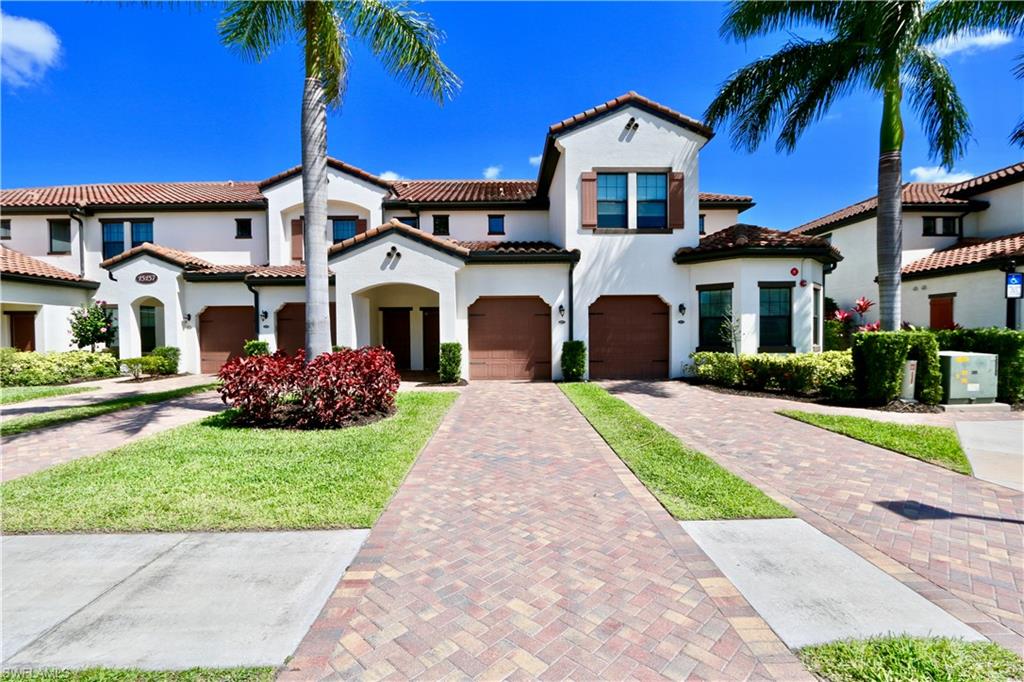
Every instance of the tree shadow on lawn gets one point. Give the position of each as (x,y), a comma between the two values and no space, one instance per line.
(919,511)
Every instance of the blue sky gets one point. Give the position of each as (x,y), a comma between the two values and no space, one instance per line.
(127,93)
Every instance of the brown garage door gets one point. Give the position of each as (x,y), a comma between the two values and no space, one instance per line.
(291,327)
(222,331)
(509,338)
(629,338)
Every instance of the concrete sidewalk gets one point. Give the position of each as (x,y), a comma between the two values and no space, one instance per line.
(166,601)
(995,450)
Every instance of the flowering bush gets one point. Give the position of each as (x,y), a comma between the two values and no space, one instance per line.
(92,324)
(839,337)
(336,389)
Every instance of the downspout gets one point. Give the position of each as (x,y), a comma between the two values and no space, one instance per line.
(256,308)
(572,267)
(73,214)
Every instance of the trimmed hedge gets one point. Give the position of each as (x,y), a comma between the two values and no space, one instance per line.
(449,369)
(836,336)
(147,364)
(1008,344)
(574,360)
(254,347)
(828,374)
(27,368)
(878,360)
(169,358)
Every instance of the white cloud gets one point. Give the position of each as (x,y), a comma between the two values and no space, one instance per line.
(28,48)
(970,42)
(535,160)
(391,176)
(938,174)
(492,172)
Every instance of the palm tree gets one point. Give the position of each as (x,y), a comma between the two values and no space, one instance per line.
(881,47)
(405,40)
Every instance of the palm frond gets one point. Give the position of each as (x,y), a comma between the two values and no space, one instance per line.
(759,95)
(748,18)
(254,29)
(326,48)
(949,17)
(406,41)
(933,96)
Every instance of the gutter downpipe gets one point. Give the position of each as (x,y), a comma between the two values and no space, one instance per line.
(256,309)
(74,215)
(572,268)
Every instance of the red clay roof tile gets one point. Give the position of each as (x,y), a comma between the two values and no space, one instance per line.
(1004,176)
(135,193)
(742,237)
(16,263)
(182,259)
(967,253)
(915,194)
(633,98)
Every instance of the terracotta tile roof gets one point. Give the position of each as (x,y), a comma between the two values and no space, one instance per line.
(915,194)
(744,240)
(632,98)
(134,194)
(511,248)
(396,226)
(427,191)
(182,259)
(999,178)
(16,263)
(280,272)
(337,164)
(717,197)
(967,253)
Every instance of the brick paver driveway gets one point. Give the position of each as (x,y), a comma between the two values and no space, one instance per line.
(520,546)
(963,536)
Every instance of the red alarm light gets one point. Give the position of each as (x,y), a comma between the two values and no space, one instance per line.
(794,271)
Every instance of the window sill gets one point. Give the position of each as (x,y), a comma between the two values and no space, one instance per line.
(629,230)
(58,253)
(237,237)
(442,234)
(776,349)
(714,349)
(493,234)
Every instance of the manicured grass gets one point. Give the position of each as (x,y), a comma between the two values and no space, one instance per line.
(213,476)
(19,394)
(935,444)
(131,675)
(912,659)
(69,414)
(687,482)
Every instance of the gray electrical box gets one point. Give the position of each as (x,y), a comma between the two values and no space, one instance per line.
(968,377)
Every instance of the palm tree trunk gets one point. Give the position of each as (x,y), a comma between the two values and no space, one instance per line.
(314,197)
(889,221)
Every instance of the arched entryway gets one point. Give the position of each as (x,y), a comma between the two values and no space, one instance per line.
(150,317)
(405,319)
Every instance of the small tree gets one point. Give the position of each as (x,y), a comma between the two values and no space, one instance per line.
(92,324)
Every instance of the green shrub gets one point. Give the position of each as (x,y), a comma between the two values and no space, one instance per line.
(836,337)
(1008,344)
(828,374)
(833,375)
(147,364)
(339,349)
(26,368)
(169,358)
(878,360)
(450,364)
(574,360)
(720,369)
(256,347)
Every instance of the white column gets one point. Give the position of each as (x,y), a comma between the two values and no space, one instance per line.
(128,339)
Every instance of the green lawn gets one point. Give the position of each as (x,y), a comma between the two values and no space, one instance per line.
(212,476)
(69,414)
(19,394)
(687,482)
(934,444)
(128,675)
(912,659)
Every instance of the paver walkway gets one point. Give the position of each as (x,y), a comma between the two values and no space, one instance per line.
(520,546)
(963,536)
(106,389)
(32,451)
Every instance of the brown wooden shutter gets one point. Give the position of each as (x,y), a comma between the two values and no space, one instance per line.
(588,195)
(360,225)
(675,201)
(297,239)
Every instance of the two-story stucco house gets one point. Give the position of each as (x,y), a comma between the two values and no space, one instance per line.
(959,240)
(613,244)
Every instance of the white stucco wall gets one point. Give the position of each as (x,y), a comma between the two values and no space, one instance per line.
(472,225)
(718,219)
(979,300)
(52,305)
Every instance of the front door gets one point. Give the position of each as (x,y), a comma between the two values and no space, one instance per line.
(431,339)
(941,312)
(23,330)
(147,327)
(395,335)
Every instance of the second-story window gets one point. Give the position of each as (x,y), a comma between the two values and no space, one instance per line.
(243,228)
(495,224)
(612,196)
(651,200)
(701,230)
(410,220)
(946,226)
(343,227)
(441,225)
(5,228)
(60,236)
(142,232)
(113,239)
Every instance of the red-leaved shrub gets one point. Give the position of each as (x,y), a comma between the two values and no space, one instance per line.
(335,389)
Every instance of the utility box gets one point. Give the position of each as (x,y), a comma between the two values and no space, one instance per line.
(968,377)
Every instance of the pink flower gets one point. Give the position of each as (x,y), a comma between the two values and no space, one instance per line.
(862,305)
(841,316)
(103,330)
(873,327)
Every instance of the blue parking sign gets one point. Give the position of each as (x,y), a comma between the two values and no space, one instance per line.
(1015,285)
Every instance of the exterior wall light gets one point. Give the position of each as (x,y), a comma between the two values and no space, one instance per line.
(187,318)
(561,310)
(264,314)
(682,309)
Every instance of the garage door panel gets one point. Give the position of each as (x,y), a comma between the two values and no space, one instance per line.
(291,327)
(629,338)
(509,338)
(223,330)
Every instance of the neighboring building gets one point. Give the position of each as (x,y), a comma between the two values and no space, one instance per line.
(604,247)
(959,240)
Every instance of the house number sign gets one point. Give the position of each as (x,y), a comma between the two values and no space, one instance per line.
(146,277)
